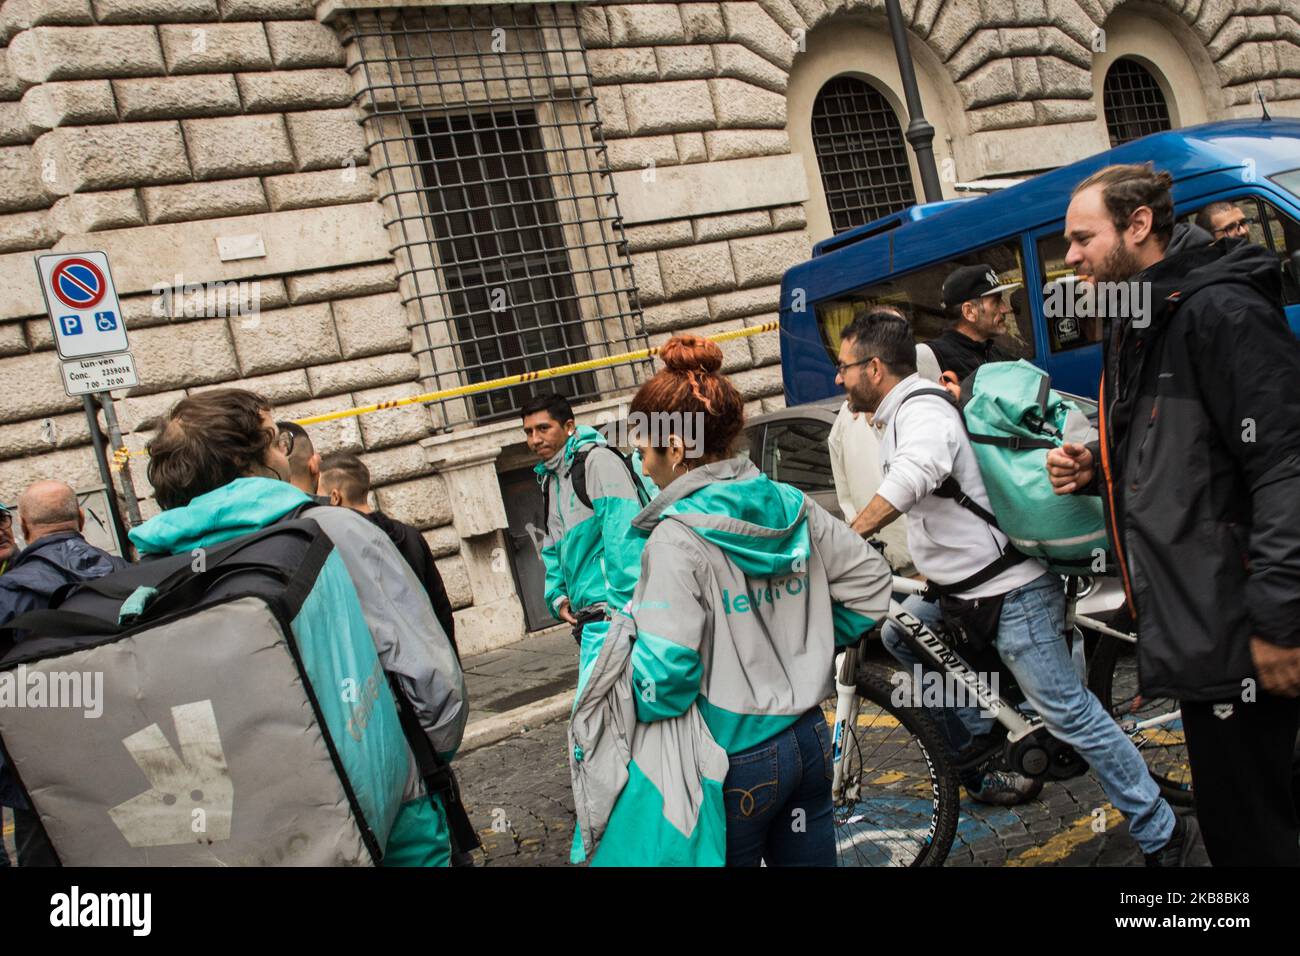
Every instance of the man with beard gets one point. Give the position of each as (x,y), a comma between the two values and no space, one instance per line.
(1199,467)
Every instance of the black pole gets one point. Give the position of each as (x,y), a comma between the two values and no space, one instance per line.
(919,132)
(110,489)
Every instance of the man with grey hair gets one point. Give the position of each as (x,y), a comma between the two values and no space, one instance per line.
(56,554)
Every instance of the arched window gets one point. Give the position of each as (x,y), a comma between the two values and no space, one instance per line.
(861,153)
(1133,102)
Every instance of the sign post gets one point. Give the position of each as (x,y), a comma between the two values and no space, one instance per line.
(90,336)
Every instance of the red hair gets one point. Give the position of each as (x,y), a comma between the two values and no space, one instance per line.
(690,383)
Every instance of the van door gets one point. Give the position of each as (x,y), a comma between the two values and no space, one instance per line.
(1070,342)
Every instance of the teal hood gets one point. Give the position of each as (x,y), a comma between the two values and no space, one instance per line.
(243,506)
(761,525)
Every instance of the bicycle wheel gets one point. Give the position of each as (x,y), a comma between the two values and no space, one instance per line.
(1154,725)
(901,800)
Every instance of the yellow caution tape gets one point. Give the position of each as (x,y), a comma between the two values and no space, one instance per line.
(123,455)
(495,383)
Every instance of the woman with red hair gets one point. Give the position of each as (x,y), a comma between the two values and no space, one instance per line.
(747,587)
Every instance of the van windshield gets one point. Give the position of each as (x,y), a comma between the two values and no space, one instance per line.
(1289,181)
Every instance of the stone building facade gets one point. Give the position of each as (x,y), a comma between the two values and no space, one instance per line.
(276,173)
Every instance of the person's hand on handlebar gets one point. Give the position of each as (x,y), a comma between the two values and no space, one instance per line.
(1069,468)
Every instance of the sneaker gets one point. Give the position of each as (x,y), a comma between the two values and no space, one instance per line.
(1002,788)
(1185,846)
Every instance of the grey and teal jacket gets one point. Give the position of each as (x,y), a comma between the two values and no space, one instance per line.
(591,555)
(407,636)
(747,587)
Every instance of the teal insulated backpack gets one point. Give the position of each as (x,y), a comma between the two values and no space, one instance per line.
(1013,418)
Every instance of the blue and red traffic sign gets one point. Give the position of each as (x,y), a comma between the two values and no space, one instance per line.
(77,283)
(82,304)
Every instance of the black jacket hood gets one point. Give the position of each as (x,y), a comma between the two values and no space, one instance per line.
(1192,262)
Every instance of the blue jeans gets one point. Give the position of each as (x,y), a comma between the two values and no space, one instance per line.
(778,797)
(1031,643)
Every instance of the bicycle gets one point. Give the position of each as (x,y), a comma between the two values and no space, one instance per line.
(895,788)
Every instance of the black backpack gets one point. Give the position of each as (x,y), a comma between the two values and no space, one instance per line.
(578,475)
(278,566)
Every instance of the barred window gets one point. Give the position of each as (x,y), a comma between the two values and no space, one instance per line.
(511,253)
(861,153)
(1133,102)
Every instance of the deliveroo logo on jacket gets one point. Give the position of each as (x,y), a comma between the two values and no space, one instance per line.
(755,597)
(191,796)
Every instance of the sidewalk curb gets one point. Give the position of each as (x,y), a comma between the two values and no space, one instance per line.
(494,729)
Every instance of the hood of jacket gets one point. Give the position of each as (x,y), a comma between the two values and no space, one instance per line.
(561,463)
(1192,262)
(238,508)
(760,524)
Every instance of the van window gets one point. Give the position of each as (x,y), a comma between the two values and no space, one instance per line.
(1274,230)
(1064,332)
(918,295)
(796,452)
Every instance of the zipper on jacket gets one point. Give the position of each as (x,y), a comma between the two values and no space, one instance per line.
(1142,446)
(1116,543)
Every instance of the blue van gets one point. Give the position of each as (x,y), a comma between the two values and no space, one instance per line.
(902,259)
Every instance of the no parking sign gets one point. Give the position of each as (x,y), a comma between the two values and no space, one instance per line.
(82,304)
(87,321)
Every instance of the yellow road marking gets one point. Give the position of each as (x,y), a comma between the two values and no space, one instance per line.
(881,720)
(1067,841)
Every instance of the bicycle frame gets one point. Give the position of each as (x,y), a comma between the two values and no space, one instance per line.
(932,647)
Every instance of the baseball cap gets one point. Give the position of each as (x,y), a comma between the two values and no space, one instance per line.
(972,282)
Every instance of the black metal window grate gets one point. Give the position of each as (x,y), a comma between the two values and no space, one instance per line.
(861,153)
(1133,102)
(511,252)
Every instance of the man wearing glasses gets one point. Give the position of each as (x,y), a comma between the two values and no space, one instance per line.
(1225,219)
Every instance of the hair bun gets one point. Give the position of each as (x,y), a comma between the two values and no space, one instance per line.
(691,353)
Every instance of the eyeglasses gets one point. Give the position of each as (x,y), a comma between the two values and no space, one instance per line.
(284,440)
(1239,228)
(842,367)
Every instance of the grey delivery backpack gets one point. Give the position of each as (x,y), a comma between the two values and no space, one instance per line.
(225,709)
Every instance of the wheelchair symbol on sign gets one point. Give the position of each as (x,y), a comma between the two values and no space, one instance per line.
(105,321)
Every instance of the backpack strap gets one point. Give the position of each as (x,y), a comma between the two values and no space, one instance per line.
(950,489)
(578,474)
(437,776)
(546,504)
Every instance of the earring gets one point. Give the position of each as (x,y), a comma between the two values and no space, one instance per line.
(683,467)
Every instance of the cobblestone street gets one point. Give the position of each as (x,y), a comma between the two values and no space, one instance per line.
(519,799)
